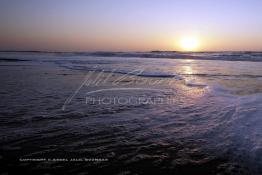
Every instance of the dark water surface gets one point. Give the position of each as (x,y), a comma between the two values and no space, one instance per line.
(212,125)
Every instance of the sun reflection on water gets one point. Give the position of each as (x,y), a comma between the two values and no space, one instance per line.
(187,70)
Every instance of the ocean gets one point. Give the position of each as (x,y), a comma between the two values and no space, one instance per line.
(153,112)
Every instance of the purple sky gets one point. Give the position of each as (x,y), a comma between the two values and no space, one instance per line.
(129,25)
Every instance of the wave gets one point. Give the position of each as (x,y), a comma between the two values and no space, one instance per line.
(138,72)
(224,75)
(11,60)
(91,66)
(224,56)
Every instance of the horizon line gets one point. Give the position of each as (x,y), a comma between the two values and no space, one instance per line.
(104,51)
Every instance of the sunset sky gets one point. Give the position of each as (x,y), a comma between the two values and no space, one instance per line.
(130,25)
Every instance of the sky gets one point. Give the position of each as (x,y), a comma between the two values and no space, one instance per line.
(130,25)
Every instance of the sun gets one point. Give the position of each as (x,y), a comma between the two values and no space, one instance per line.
(189,44)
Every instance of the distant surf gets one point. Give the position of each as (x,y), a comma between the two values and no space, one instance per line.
(226,55)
